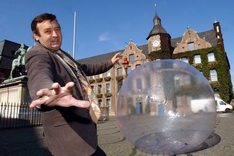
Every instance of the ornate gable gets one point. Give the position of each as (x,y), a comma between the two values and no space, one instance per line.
(191,41)
(132,49)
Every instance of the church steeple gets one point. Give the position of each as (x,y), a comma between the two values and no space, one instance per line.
(157,28)
(158,38)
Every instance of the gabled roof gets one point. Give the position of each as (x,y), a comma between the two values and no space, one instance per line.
(209,36)
(157,27)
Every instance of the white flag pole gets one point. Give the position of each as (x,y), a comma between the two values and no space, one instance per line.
(74,36)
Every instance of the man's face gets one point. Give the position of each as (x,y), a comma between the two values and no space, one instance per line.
(50,34)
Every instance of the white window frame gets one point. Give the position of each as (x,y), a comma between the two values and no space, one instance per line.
(197,59)
(213,75)
(211,57)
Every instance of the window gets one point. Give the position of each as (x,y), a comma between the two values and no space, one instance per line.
(91,77)
(222,103)
(187,80)
(108,73)
(119,72)
(120,83)
(108,102)
(100,76)
(177,80)
(217,28)
(197,59)
(92,87)
(131,58)
(191,46)
(213,75)
(139,83)
(129,70)
(184,59)
(108,88)
(99,102)
(211,57)
(99,89)
(178,101)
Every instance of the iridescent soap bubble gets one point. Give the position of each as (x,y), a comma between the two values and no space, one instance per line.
(166,107)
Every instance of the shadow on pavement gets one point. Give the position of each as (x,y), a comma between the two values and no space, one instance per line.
(23,142)
(211,141)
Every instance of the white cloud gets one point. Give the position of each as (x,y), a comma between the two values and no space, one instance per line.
(111,39)
(104,37)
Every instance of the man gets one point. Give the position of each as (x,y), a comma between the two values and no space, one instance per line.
(58,91)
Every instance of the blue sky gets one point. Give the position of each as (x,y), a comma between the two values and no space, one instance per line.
(104,26)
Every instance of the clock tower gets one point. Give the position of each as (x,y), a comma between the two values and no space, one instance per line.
(158,39)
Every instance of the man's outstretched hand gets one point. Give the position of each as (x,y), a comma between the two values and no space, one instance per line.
(58,96)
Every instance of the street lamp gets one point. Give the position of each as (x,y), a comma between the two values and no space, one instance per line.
(125,65)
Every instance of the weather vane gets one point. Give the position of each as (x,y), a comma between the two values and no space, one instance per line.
(155,7)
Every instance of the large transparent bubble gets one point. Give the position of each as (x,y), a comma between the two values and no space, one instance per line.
(166,107)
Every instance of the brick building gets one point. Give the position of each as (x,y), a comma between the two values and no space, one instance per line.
(205,51)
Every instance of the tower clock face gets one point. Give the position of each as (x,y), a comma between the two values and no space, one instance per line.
(156,43)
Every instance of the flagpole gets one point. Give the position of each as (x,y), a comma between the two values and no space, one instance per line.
(74,36)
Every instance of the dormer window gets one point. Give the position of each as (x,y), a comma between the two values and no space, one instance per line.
(131,57)
(191,46)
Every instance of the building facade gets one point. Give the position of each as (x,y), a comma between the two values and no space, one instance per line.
(205,51)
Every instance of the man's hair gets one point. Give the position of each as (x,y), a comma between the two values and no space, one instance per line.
(39,19)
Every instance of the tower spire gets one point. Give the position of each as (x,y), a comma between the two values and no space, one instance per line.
(155,8)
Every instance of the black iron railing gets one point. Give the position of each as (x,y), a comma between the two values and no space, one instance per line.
(15,115)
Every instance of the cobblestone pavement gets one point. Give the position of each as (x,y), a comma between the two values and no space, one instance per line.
(30,141)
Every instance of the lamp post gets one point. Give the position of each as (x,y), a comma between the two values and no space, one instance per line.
(125,65)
